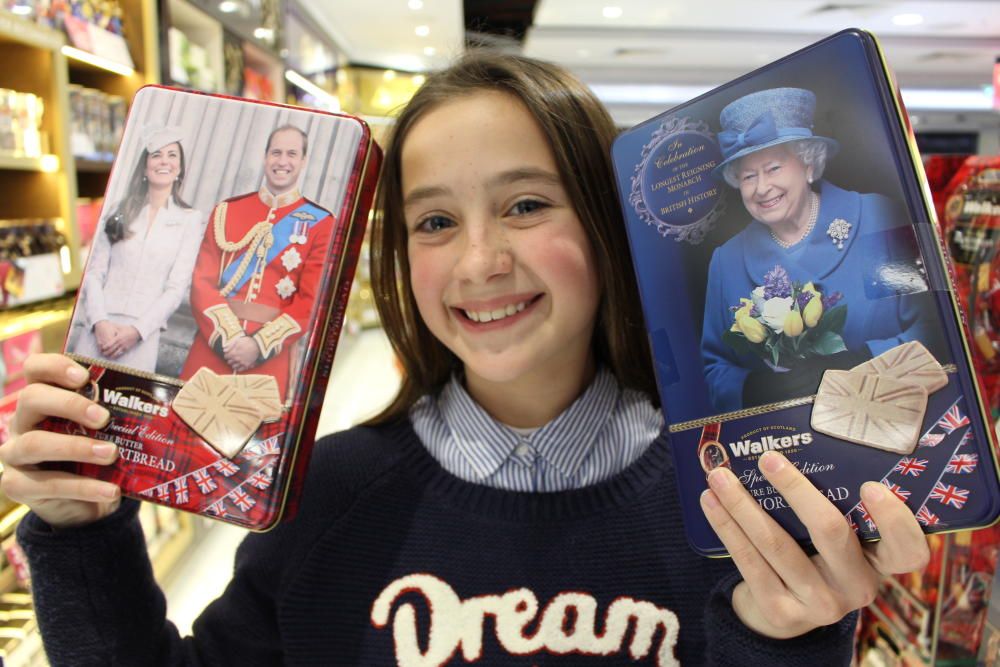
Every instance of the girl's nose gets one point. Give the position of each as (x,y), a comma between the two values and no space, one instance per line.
(486,254)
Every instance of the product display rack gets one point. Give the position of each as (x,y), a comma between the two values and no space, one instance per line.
(39,187)
(48,187)
(202,51)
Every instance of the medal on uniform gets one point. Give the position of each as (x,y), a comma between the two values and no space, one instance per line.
(291,259)
(302,220)
(285,287)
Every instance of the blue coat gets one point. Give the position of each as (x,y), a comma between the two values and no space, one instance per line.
(878,272)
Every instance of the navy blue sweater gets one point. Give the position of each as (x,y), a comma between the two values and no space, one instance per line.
(393,561)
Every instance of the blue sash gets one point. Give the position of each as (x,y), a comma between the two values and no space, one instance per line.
(282,232)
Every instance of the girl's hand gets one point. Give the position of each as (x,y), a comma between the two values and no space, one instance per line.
(786,593)
(59,498)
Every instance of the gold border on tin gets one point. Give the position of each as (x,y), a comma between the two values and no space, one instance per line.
(927,200)
(318,355)
(112,366)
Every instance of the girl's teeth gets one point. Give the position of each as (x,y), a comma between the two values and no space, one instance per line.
(498,314)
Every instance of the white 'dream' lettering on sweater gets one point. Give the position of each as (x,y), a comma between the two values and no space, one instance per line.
(568,624)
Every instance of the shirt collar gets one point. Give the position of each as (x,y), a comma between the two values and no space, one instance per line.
(564,443)
(278,201)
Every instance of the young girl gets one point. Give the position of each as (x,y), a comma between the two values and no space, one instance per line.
(515,505)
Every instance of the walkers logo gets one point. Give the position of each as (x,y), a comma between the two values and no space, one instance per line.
(127,401)
(764,443)
(458,625)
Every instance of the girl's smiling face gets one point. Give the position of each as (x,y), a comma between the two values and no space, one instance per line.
(501,268)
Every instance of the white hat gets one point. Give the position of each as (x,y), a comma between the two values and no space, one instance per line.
(155,137)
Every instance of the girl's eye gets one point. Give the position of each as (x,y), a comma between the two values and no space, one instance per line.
(526,207)
(434,223)
(747,177)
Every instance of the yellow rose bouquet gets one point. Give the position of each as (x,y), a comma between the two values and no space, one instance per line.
(784,322)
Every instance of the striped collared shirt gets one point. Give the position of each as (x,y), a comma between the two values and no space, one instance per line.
(600,434)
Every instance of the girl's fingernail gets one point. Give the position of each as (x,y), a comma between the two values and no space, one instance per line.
(110,492)
(872,492)
(97,415)
(718,479)
(772,462)
(709,499)
(76,374)
(104,450)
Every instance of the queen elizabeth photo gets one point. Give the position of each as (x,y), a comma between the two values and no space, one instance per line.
(809,247)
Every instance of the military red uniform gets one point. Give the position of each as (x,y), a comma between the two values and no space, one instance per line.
(257,273)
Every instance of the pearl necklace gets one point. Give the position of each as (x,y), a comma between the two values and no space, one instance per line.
(813,214)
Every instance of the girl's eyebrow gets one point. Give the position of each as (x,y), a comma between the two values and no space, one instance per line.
(426,192)
(525,174)
(503,178)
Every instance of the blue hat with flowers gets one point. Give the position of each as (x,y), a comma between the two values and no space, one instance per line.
(767,118)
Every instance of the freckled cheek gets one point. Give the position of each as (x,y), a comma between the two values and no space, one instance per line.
(428,279)
(571,267)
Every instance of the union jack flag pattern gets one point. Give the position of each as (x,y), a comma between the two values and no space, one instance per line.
(181,490)
(226,467)
(931,440)
(926,517)
(204,481)
(897,490)
(242,500)
(948,494)
(867,518)
(962,463)
(912,467)
(952,420)
(261,479)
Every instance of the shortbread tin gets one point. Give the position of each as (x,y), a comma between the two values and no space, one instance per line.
(781,229)
(214,294)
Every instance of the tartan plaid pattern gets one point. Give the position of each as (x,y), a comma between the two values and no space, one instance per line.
(163,461)
(161,456)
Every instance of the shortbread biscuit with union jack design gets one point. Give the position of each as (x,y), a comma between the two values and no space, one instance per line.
(217,411)
(869,409)
(262,390)
(909,362)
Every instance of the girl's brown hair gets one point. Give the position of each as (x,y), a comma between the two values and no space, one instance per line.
(580,131)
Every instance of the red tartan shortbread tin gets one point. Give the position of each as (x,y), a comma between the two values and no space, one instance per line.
(214,294)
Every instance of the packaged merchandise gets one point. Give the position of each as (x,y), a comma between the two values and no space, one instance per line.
(214,294)
(797,296)
(33,253)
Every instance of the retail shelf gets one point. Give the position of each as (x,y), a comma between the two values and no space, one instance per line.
(93,166)
(45,163)
(17,30)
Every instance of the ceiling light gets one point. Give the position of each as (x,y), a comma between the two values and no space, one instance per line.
(419,79)
(23,10)
(956,99)
(265,34)
(322,97)
(228,6)
(612,12)
(907,19)
(422,30)
(429,50)
(389,75)
(415,4)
